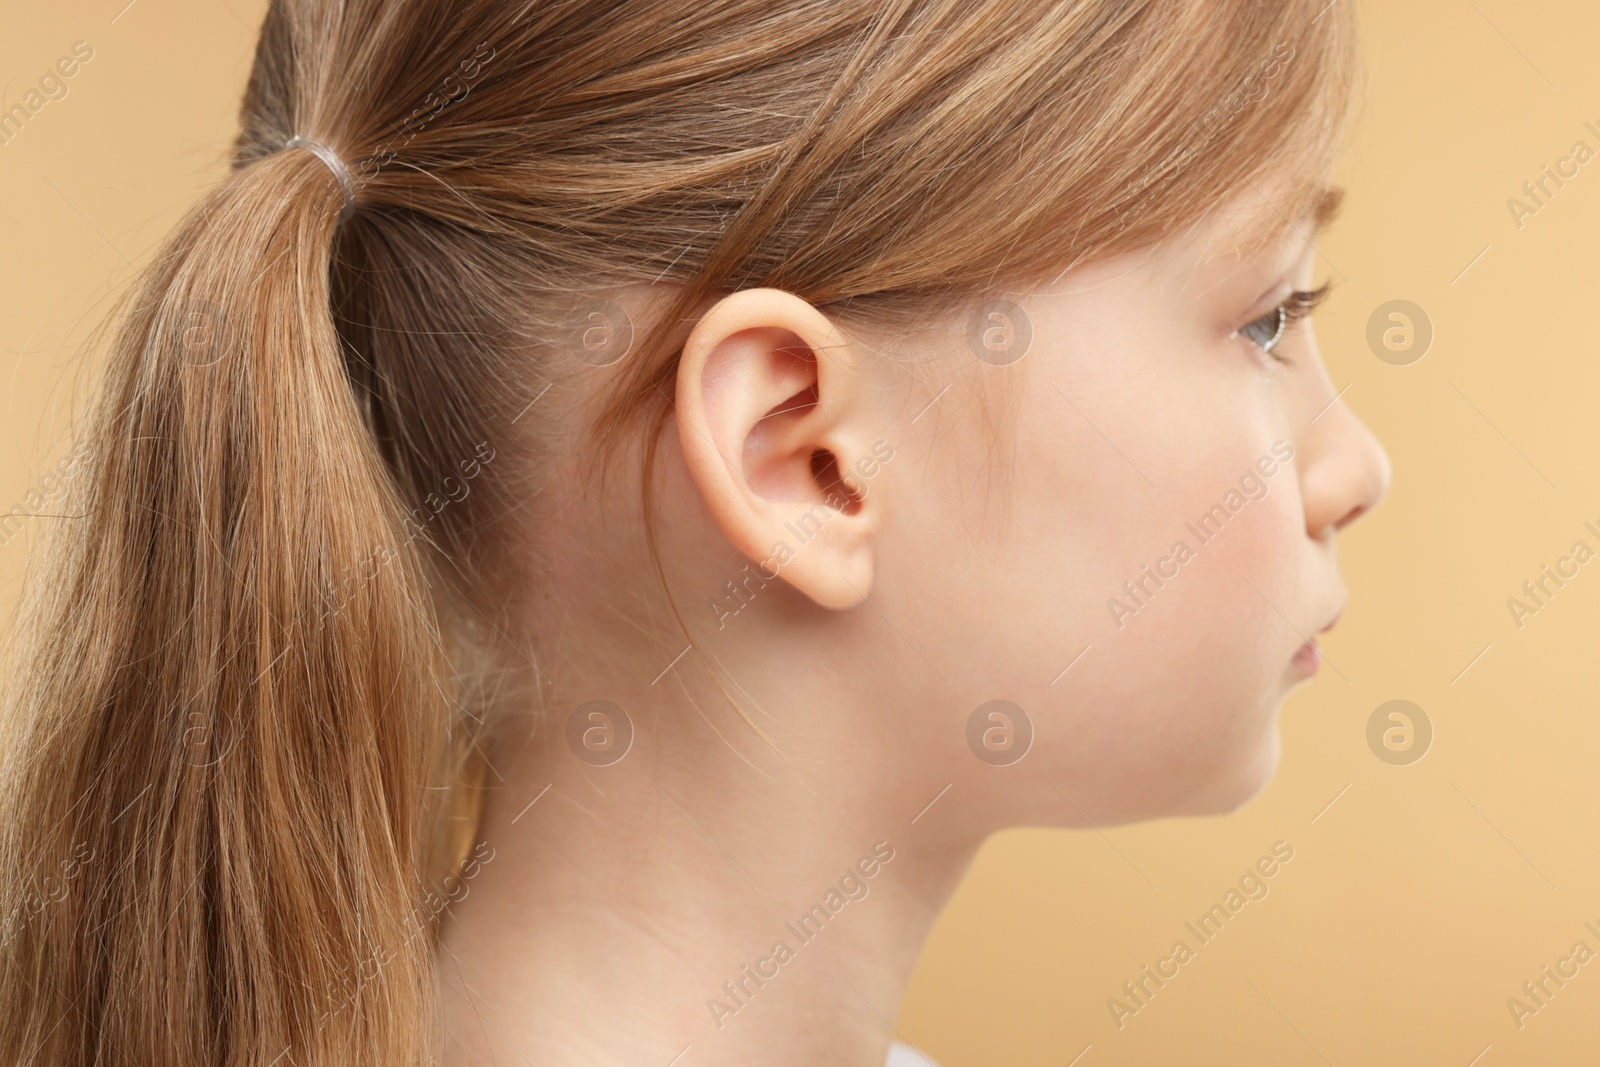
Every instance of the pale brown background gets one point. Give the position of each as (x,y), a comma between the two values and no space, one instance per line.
(1425,895)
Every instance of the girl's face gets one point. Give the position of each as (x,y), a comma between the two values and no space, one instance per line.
(1141,573)
(1114,510)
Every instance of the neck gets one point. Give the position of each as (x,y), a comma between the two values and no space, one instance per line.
(629,915)
(722,888)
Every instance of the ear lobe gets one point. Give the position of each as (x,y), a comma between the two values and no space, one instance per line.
(772,418)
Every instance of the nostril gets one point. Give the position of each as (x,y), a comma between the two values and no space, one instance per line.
(1351,516)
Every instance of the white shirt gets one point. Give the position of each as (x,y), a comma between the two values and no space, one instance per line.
(903,1055)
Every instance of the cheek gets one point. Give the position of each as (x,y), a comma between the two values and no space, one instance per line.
(1212,593)
(1082,539)
(1176,592)
(1176,711)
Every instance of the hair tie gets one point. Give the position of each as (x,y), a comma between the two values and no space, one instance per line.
(334,163)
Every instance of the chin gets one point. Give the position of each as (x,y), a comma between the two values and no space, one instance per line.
(1230,786)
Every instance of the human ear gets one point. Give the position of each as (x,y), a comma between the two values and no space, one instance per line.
(773,416)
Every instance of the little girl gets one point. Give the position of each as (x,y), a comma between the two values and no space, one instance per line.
(591,525)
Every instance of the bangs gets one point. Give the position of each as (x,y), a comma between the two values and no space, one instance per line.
(1258,100)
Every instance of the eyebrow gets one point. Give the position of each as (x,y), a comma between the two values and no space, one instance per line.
(1323,209)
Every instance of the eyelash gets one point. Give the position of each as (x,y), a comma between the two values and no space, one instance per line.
(1271,327)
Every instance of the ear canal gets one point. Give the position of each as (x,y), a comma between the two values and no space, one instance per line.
(838,491)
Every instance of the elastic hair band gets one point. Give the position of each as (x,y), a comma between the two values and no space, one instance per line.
(334,163)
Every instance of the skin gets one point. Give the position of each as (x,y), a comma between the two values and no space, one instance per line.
(975,564)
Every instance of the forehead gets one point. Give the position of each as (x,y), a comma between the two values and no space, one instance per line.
(1253,237)
(1259,232)
(1264,219)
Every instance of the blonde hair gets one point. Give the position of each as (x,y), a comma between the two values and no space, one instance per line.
(240,722)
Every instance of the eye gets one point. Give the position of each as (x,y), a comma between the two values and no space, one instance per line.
(1267,331)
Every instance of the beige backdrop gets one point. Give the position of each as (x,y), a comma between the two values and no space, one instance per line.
(1420,897)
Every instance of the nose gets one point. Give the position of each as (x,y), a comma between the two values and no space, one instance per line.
(1344,471)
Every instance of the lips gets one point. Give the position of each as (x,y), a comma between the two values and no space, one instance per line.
(1309,657)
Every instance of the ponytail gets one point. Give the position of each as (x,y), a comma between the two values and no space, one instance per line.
(228,714)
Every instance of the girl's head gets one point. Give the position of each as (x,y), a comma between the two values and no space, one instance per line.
(800,378)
